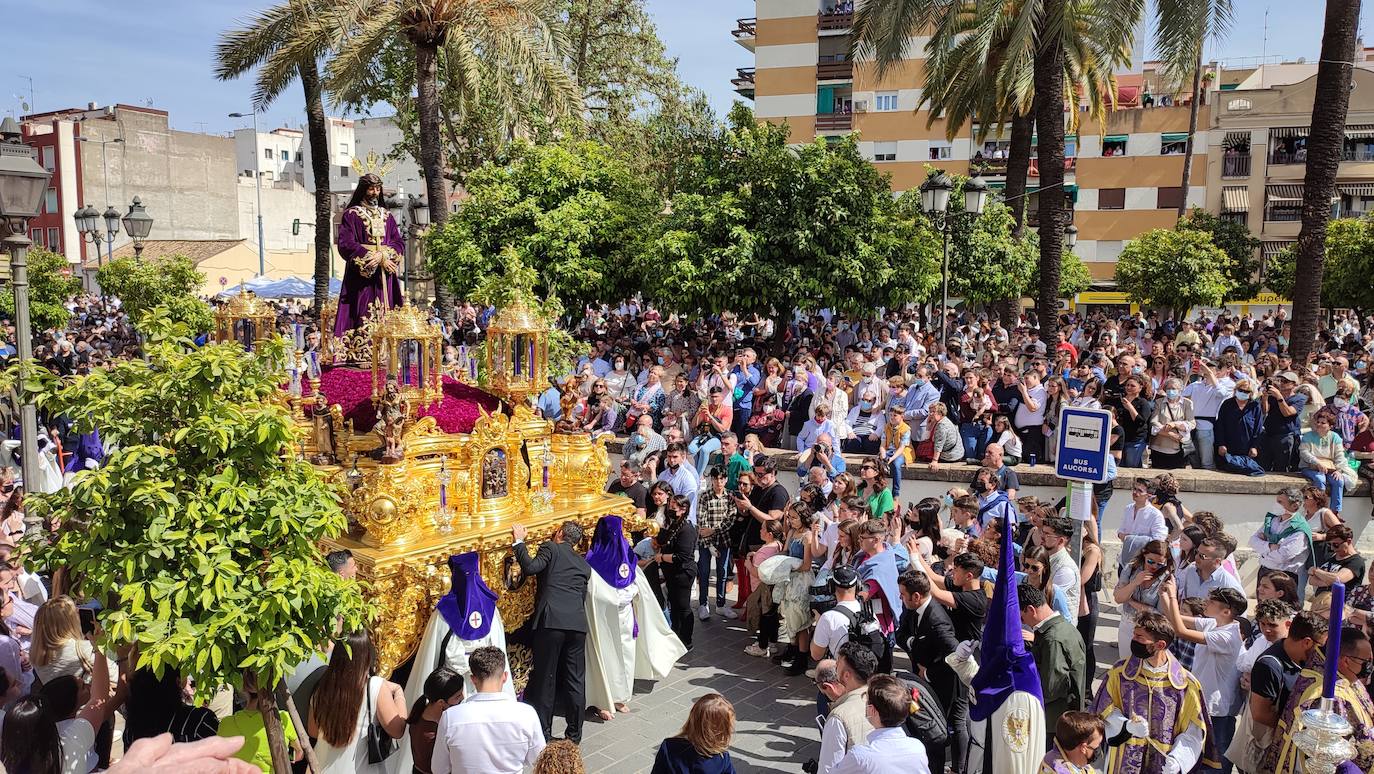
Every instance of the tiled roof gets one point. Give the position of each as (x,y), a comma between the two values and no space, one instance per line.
(196,249)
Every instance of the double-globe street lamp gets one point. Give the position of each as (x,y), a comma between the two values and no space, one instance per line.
(935,200)
(23,182)
(88,222)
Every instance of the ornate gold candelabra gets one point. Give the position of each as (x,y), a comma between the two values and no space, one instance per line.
(408,349)
(245,318)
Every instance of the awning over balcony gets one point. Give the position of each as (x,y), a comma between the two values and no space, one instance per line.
(1271,249)
(1283,194)
(1355,189)
(1235,198)
(1289,131)
(1361,132)
(1115,138)
(1174,137)
(1236,139)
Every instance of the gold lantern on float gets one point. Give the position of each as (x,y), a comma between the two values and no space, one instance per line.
(245,318)
(517,353)
(407,348)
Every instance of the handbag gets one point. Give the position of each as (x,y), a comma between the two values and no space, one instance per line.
(380,745)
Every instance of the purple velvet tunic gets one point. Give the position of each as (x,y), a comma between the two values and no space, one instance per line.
(356,239)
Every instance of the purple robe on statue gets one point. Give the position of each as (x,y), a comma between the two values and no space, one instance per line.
(360,232)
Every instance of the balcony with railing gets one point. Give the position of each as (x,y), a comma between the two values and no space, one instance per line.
(834,122)
(744,81)
(834,67)
(1235,166)
(745,31)
(834,21)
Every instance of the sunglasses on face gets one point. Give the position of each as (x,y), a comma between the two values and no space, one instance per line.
(1154,563)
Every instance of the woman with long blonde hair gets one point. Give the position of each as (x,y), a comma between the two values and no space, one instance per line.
(58,647)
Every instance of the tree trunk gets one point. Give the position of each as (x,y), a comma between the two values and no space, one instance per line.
(1008,310)
(1018,165)
(319,169)
(431,151)
(276,736)
(1049,126)
(284,700)
(1325,145)
(1192,131)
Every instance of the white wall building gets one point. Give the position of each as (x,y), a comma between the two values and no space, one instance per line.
(380,136)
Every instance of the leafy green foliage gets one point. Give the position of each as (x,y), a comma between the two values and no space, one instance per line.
(574,211)
(49,289)
(1074,277)
(1174,269)
(202,524)
(1239,245)
(515,284)
(1349,266)
(171,281)
(986,263)
(760,226)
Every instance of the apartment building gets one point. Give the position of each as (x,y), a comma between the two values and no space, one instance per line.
(1122,178)
(1258,153)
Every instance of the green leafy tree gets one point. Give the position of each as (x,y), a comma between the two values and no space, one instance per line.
(987,263)
(1349,266)
(1237,242)
(51,285)
(574,211)
(1176,270)
(515,282)
(171,282)
(762,227)
(202,528)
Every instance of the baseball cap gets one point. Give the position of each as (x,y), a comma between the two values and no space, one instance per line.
(1288,376)
(844,577)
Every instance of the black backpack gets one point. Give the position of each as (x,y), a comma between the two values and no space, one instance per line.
(928,723)
(864,629)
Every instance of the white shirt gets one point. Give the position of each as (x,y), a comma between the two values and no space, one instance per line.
(1064,574)
(889,751)
(685,482)
(489,733)
(1215,665)
(1206,398)
(1146,521)
(832,628)
(78,746)
(1024,416)
(1290,554)
(1192,584)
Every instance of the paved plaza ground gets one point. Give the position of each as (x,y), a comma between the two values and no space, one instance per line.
(776,715)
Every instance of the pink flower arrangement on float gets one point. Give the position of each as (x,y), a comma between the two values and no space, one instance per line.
(457,412)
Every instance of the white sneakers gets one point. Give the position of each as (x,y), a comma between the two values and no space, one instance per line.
(730,613)
(704,612)
(753,649)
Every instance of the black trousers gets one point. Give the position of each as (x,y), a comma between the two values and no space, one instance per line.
(654,575)
(1087,628)
(1032,442)
(559,679)
(678,588)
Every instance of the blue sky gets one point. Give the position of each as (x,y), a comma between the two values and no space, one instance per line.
(159,52)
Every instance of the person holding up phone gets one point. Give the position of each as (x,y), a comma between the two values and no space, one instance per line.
(1140,587)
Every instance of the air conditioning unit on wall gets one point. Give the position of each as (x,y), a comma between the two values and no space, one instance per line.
(860,106)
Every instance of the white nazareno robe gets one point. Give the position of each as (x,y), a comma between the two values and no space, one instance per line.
(1018,728)
(615,656)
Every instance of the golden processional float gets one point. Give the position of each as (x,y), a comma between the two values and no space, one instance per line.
(429,465)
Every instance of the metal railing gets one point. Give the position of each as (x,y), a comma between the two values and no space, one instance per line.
(829,122)
(1282,214)
(834,21)
(1235,166)
(746,28)
(832,71)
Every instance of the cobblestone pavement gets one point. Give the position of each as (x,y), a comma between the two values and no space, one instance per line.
(775,715)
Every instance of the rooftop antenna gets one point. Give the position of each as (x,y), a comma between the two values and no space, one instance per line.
(28,106)
(1264,46)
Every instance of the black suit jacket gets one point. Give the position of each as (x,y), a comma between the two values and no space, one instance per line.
(927,644)
(562,574)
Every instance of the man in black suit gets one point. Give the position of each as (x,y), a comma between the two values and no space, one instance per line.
(926,633)
(559,625)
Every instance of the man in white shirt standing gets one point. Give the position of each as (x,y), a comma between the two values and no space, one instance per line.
(844,682)
(889,749)
(832,628)
(1207,395)
(1206,572)
(1055,533)
(489,731)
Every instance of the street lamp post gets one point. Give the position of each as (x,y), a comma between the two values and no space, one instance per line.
(88,226)
(22,183)
(257,173)
(935,199)
(104,162)
(138,223)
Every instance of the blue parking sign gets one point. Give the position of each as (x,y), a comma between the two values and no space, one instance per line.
(1084,435)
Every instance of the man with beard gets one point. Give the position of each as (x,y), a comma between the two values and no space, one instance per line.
(372,246)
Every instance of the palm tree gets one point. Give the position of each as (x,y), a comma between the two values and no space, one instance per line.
(982,67)
(1325,147)
(284,43)
(513,47)
(1182,27)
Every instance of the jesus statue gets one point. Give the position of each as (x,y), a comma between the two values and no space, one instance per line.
(372,246)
